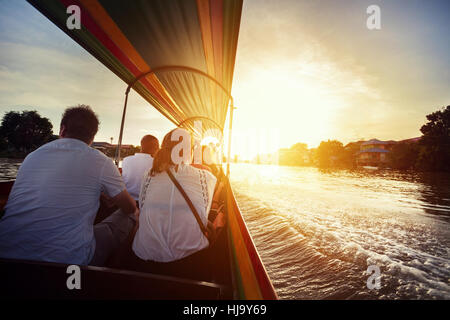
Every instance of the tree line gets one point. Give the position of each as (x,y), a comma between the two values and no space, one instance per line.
(23,132)
(430,153)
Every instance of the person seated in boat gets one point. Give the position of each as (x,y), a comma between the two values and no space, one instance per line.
(134,167)
(52,206)
(210,158)
(211,163)
(201,156)
(175,200)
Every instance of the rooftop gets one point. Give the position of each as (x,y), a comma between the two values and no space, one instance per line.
(374,150)
(376,141)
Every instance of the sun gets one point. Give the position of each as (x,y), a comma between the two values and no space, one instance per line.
(298,106)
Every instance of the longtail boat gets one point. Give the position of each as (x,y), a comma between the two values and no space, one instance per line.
(179,55)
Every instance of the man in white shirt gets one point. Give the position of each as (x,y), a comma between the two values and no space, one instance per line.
(52,206)
(134,167)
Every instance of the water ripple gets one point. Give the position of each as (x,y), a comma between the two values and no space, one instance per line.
(317,233)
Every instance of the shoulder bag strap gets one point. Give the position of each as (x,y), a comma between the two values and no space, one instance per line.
(189,202)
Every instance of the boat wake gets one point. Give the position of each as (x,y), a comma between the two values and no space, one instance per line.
(320,249)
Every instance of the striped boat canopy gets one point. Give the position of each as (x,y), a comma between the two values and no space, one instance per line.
(179,55)
(132,38)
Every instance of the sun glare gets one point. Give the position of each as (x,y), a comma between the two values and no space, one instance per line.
(299,105)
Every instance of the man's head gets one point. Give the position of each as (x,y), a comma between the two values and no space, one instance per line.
(149,144)
(80,123)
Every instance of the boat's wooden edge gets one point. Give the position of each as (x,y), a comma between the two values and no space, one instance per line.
(265,283)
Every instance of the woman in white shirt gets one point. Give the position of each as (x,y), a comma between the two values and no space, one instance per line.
(169,234)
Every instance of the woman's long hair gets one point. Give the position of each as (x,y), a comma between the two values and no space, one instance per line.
(163,158)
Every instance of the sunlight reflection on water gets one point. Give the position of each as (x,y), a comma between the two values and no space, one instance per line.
(317,232)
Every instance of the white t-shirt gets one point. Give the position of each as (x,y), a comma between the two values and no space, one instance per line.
(53,203)
(168,230)
(133,170)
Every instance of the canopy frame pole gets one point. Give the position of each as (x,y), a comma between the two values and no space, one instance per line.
(119,144)
(172,68)
(230,131)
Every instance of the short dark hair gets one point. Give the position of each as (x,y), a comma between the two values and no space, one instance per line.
(80,123)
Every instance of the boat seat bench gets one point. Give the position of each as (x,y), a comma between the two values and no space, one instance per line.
(47,280)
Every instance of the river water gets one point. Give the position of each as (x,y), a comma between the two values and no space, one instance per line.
(318,232)
(9,168)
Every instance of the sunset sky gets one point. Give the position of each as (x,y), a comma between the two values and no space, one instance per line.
(305,71)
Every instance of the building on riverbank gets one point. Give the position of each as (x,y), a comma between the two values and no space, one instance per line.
(374,152)
(110,149)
